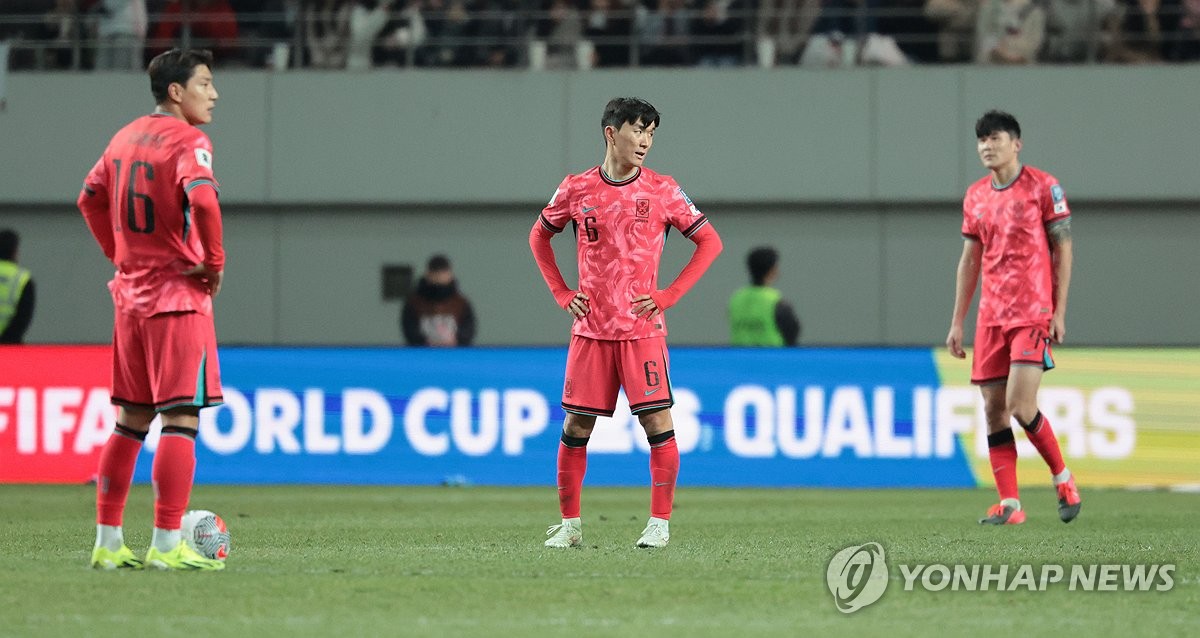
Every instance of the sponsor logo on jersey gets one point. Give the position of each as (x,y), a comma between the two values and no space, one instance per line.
(1060,208)
(691,206)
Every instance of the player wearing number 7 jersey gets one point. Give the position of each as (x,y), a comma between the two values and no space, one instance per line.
(151,203)
(620,213)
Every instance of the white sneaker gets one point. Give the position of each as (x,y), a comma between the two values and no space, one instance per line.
(568,533)
(656,534)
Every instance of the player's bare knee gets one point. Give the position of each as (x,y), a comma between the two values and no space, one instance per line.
(579,425)
(135,419)
(656,422)
(182,417)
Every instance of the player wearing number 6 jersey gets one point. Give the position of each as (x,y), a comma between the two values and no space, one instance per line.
(151,203)
(620,214)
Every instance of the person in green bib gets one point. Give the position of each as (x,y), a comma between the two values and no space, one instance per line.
(758,315)
(16,291)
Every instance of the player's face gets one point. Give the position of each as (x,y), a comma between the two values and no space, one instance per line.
(199,97)
(632,142)
(998,149)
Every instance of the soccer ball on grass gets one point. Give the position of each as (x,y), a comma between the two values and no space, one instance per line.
(206,533)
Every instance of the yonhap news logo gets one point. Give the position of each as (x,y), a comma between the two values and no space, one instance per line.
(858,575)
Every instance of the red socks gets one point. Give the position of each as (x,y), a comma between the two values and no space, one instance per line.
(115,474)
(572,465)
(1002,452)
(664,469)
(1042,436)
(174,468)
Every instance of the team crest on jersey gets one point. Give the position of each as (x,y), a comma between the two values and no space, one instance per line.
(643,208)
(204,158)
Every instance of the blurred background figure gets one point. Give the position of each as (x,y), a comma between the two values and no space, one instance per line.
(1009,31)
(436,313)
(120,33)
(758,315)
(16,291)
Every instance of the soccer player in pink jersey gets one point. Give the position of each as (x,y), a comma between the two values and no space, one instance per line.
(151,203)
(1017,230)
(620,213)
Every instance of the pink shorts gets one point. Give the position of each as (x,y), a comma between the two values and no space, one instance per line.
(998,348)
(597,369)
(165,361)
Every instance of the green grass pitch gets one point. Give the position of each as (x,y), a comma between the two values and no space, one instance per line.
(406,561)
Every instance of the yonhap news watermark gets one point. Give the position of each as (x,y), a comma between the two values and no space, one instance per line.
(858,576)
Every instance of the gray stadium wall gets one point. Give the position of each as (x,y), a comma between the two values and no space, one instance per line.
(856,176)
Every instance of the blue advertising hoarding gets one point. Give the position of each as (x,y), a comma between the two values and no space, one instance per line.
(491,416)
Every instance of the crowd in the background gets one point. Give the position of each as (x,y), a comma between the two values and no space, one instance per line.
(555,34)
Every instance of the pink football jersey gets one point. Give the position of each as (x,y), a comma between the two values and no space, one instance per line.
(620,229)
(147,171)
(1011,223)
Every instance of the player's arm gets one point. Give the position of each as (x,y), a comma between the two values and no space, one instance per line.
(573,301)
(1061,256)
(708,246)
(93,203)
(206,211)
(965,281)
(787,322)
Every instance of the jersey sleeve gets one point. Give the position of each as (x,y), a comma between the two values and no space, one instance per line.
(194,163)
(557,213)
(1053,201)
(970,224)
(681,212)
(97,178)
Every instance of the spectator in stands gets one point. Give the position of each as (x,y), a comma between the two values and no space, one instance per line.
(327,31)
(403,34)
(120,33)
(1146,28)
(1009,31)
(1075,29)
(848,34)
(61,30)
(664,34)
(719,33)
(366,22)
(609,26)
(956,36)
(212,23)
(495,32)
(561,28)
(450,26)
(436,313)
(788,24)
(265,25)
(1185,46)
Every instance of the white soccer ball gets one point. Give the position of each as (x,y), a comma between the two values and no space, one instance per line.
(207,534)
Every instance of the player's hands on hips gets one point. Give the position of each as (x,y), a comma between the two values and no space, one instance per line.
(578,306)
(645,306)
(1058,328)
(954,341)
(210,279)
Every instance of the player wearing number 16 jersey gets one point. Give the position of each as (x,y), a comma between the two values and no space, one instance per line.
(620,214)
(151,203)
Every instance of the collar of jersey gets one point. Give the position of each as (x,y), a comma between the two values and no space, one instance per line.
(1020,171)
(613,182)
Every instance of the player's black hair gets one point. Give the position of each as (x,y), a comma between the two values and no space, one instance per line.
(175,66)
(994,121)
(760,261)
(622,110)
(8,244)
(438,263)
